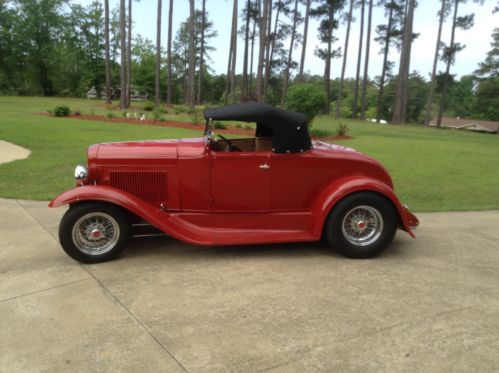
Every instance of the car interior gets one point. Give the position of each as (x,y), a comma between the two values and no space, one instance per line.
(254,144)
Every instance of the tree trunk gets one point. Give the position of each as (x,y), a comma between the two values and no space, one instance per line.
(244,88)
(366,63)
(379,106)
(229,67)
(250,84)
(169,51)
(108,62)
(129,55)
(429,102)
(192,59)
(157,93)
(301,78)
(359,59)
(343,66)
(263,42)
(290,55)
(327,68)
(123,68)
(234,53)
(445,88)
(399,116)
(268,62)
(201,52)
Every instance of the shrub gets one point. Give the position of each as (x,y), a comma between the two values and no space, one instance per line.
(219,125)
(180,109)
(148,106)
(77,112)
(62,111)
(315,132)
(110,115)
(156,114)
(307,99)
(342,130)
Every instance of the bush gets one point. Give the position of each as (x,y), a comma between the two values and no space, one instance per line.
(148,106)
(342,130)
(219,125)
(195,117)
(62,111)
(314,132)
(77,112)
(157,113)
(180,109)
(307,99)
(110,115)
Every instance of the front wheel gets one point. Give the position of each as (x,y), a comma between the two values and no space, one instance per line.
(361,225)
(94,232)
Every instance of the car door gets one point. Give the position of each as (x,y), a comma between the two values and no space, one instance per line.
(240,181)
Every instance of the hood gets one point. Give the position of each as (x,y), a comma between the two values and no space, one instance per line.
(137,150)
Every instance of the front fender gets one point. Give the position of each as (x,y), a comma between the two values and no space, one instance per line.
(165,221)
(343,187)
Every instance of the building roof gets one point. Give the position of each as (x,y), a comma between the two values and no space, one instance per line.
(473,124)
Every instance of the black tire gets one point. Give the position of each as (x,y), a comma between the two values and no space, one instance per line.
(372,238)
(108,220)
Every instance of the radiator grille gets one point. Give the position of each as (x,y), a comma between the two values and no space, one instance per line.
(150,185)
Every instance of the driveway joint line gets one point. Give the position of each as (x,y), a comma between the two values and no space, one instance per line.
(42,290)
(135,318)
(111,295)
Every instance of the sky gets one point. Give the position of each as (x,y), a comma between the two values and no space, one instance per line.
(477,39)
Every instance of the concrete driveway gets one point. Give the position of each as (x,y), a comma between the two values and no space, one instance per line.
(430,304)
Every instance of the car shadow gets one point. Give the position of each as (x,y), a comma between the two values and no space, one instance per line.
(169,247)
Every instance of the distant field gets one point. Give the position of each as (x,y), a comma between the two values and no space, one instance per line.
(433,170)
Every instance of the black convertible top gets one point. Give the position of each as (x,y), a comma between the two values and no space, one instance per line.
(288,129)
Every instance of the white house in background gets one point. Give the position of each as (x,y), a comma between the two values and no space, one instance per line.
(468,124)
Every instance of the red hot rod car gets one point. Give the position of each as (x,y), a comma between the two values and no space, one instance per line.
(278,186)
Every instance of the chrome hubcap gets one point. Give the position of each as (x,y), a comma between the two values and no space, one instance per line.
(362,225)
(95,233)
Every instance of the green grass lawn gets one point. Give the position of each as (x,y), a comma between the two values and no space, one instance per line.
(433,170)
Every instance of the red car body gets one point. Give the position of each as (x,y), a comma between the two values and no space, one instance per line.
(202,196)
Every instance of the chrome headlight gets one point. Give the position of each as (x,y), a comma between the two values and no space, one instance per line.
(81,172)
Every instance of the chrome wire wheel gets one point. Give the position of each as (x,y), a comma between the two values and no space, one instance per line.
(95,233)
(362,225)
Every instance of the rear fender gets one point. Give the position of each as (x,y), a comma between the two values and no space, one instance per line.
(160,219)
(339,189)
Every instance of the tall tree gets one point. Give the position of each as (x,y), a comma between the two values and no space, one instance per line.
(256,20)
(269,46)
(201,58)
(247,17)
(169,55)
(304,43)
(262,43)
(290,53)
(192,60)
(108,58)
(157,95)
(234,53)
(326,12)
(441,16)
(399,114)
(345,55)
(123,54)
(365,78)
(449,55)
(355,101)
(386,34)
(129,54)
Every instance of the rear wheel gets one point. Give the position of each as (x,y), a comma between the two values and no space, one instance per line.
(94,232)
(361,225)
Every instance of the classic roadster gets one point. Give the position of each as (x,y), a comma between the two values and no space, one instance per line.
(278,186)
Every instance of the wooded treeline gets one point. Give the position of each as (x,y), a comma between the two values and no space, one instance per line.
(58,47)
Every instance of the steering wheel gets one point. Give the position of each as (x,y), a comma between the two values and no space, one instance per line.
(230,147)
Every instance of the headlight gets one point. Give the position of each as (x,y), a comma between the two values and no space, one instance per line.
(81,172)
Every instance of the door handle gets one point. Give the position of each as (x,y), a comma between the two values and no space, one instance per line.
(264,166)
